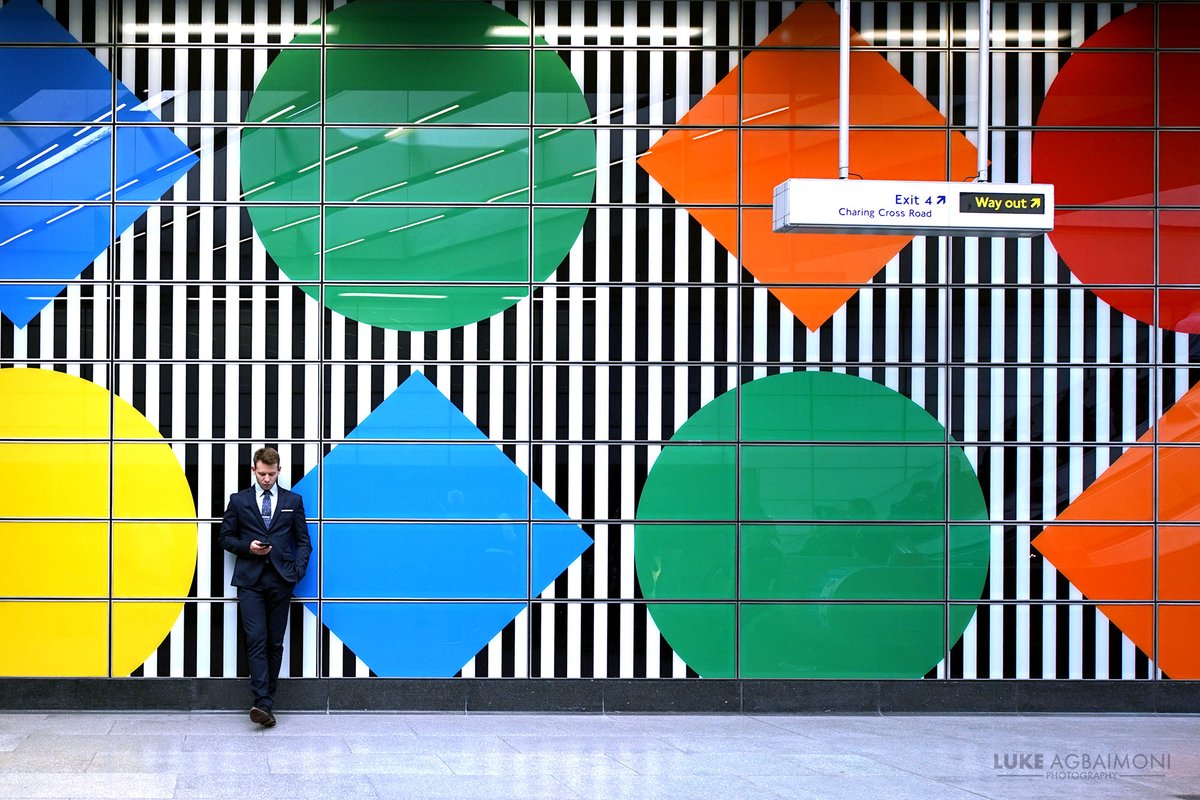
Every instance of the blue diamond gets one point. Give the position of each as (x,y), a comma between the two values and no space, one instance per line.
(459,552)
(70,164)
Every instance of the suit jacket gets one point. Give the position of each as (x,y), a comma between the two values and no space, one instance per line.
(288,536)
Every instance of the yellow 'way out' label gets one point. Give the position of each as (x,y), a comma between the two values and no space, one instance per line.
(996,203)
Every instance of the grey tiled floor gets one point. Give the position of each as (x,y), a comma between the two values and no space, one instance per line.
(693,757)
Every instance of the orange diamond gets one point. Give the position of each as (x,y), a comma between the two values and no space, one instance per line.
(812,274)
(1109,562)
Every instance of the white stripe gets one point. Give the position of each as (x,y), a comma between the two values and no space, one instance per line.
(476,160)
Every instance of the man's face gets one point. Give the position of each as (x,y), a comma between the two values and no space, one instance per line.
(266,475)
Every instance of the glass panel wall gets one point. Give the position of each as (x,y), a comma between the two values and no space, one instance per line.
(498,281)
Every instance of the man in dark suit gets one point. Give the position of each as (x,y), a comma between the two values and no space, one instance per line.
(264,526)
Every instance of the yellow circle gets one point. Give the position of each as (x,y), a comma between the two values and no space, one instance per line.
(101,546)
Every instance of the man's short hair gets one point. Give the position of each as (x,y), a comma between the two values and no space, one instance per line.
(266,455)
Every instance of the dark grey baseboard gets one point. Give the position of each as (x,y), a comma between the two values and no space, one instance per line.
(608,695)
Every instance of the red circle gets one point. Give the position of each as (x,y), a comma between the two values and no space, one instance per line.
(1097,143)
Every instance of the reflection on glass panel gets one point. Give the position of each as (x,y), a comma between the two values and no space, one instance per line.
(33,568)
(409,87)
(418,307)
(153,559)
(153,22)
(23,471)
(1125,238)
(1093,394)
(280,165)
(688,562)
(60,639)
(691,482)
(223,101)
(1181,423)
(149,163)
(800,88)
(831,407)
(1105,88)
(1179,242)
(432,22)
(443,481)
(292,235)
(557,98)
(845,640)
(425,243)
(1178,654)
(1176,470)
(609,103)
(52,163)
(696,165)
(1126,96)
(704,635)
(46,404)
(59,241)
(1056,161)
(564,165)
(419,639)
(555,547)
(1061,621)
(431,560)
(843,562)
(1178,563)
(137,630)
(1178,96)
(289,92)
(555,232)
(970,560)
(1177,25)
(454,165)
(212,326)
(911,155)
(1177,309)
(55,84)
(802,482)
(1051,331)
(148,250)
(1104,562)
(1178,167)
(51,243)
(1121,487)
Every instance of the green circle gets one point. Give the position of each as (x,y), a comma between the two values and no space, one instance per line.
(448,188)
(817,545)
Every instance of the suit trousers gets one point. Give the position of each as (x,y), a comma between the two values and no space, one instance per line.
(264,611)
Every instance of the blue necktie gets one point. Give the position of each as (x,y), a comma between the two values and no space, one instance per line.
(266,510)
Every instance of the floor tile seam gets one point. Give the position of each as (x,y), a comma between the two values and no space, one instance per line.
(596,757)
(783,729)
(774,795)
(512,749)
(618,760)
(17,741)
(1074,788)
(664,740)
(880,763)
(451,772)
(565,791)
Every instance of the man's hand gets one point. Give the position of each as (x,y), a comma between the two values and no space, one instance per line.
(259,548)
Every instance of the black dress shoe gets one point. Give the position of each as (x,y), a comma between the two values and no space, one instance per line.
(262,717)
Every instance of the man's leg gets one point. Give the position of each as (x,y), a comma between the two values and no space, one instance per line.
(252,604)
(278,604)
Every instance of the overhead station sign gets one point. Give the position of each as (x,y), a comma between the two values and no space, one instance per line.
(917,208)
